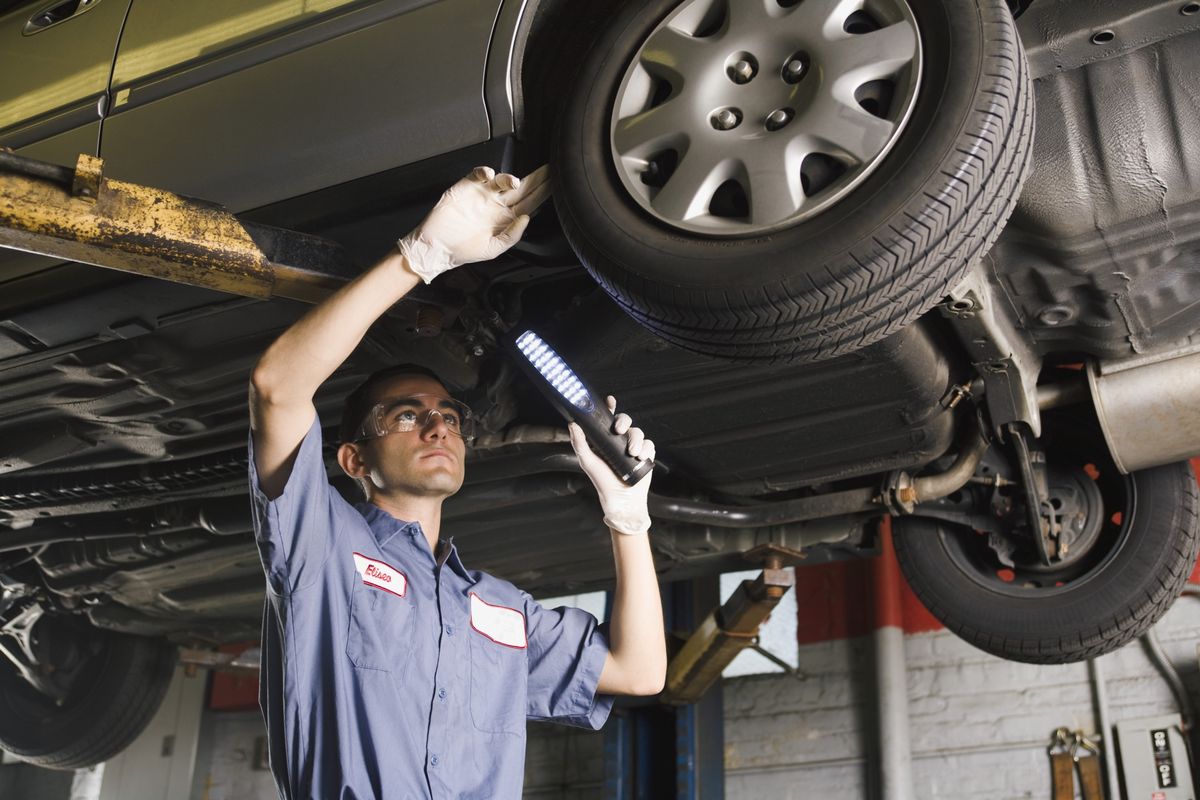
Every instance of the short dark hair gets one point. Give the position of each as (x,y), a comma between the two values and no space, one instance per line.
(358,402)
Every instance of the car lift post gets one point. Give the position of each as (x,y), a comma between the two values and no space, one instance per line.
(633,768)
(700,724)
(659,749)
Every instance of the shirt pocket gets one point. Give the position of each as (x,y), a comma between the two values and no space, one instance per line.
(499,675)
(381,629)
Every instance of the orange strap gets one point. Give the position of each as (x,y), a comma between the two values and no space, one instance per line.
(1062,764)
(1089,777)
(1062,767)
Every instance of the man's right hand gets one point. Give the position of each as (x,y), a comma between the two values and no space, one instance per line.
(477,219)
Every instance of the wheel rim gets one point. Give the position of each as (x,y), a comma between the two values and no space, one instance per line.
(21,697)
(742,117)
(1097,544)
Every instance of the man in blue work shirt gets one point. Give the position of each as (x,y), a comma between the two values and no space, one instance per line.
(389,669)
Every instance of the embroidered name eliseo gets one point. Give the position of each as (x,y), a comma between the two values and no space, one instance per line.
(381,575)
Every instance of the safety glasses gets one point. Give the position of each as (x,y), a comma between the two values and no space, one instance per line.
(416,411)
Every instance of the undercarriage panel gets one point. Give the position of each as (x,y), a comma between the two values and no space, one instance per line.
(1100,255)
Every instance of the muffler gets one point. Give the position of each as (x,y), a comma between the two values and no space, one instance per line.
(1149,408)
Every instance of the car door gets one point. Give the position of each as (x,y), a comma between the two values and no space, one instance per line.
(56,57)
(55,61)
(246,102)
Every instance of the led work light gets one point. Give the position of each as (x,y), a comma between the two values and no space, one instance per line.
(567,392)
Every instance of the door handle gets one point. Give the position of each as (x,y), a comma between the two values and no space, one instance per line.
(56,13)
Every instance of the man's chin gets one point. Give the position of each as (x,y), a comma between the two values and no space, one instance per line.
(438,481)
(441,482)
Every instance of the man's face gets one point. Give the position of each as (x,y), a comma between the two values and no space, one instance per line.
(429,460)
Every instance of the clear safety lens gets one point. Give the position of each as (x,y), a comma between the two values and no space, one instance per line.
(410,412)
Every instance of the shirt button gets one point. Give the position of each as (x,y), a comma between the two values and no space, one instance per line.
(449,630)
(442,693)
(433,760)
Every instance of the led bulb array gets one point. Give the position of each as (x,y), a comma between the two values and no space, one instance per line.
(553,369)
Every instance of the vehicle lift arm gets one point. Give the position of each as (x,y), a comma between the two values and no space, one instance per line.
(81,215)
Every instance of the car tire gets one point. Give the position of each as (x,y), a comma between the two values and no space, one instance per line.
(108,706)
(862,268)
(1143,556)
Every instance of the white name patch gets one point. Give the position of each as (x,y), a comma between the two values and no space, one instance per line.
(380,575)
(501,624)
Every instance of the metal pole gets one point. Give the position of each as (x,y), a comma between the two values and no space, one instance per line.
(891,681)
(618,758)
(699,726)
(1100,690)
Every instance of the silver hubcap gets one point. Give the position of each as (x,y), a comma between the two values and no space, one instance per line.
(740,117)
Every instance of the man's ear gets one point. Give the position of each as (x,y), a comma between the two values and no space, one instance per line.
(349,458)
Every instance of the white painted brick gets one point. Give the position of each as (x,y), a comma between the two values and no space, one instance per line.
(230,774)
(987,775)
(979,725)
(563,756)
(833,781)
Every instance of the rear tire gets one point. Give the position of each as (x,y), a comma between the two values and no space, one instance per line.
(112,701)
(1141,563)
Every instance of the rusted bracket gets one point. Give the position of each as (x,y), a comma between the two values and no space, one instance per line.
(83,216)
(194,659)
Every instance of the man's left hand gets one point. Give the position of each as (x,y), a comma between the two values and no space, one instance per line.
(625,508)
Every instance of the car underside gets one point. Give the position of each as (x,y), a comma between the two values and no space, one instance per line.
(999,428)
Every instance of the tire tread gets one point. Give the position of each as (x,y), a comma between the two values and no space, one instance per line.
(882,284)
(1135,617)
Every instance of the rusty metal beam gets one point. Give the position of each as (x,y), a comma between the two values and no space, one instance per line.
(81,215)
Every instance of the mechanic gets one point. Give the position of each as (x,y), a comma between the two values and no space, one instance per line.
(389,670)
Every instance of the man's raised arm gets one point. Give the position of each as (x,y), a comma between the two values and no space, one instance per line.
(637,659)
(477,219)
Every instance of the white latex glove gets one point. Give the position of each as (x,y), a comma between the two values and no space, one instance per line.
(625,508)
(477,219)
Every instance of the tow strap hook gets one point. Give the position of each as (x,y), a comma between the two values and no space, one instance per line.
(1070,752)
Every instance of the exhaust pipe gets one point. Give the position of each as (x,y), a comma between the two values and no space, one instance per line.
(1149,409)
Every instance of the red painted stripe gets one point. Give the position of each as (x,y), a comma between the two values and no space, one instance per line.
(912,616)
(917,618)
(829,601)
(845,599)
(233,691)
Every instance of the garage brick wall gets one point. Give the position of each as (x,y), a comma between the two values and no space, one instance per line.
(979,724)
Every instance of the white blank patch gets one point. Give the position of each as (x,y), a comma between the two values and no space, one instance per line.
(501,624)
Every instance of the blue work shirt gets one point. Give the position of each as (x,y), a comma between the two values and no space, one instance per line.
(389,673)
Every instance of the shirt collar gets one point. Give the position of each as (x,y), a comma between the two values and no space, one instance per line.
(455,562)
(385,527)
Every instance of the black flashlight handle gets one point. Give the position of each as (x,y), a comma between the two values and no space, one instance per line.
(598,428)
(597,424)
